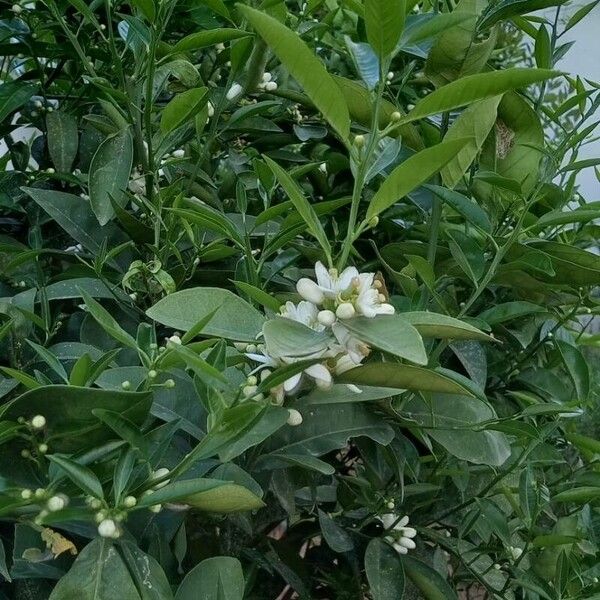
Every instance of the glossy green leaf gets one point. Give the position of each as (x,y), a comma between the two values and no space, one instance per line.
(336,537)
(182,109)
(452,419)
(80,475)
(470,210)
(109,174)
(405,377)
(509,8)
(63,139)
(430,324)
(384,570)
(384,21)
(202,39)
(301,204)
(234,318)
(412,173)
(390,333)
(476,87)
(427,580)
(99,573)
(71,425)
(285,337)
(13,94)
(474,124)
(216,578)
(304,66)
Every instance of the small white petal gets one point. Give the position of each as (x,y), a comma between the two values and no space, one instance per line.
(409,532)
(407,543)
(310,291)
(400,549)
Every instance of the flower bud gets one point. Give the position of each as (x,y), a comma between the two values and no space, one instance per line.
(126,385)
(155,508)
(234,92)
(326,317)
(175,339)
(26,494)
(38,422)
(309,290)
(294,417)
(43,448)
(16,9)
(271,86)
(359,141)
(345,311)
(56,503)
(395,116)
(169,384)
(152,374)
(251,380)
(129,501)
(373,222)
(108,529)
(179,153)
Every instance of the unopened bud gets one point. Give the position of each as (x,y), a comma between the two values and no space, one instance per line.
(294,417)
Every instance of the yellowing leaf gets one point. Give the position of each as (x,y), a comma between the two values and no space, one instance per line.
(57,543)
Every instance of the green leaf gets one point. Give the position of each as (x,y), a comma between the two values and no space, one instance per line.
(476,87)
(285,337)
(384,21)
(507,311)
(390,333)
(224,499)
(427,580)
(216,578)
(329,427)
(335,536)
(109,174)
(301,204)
(410,174)
(365,61)
(75,216)
(234,318)
(577,368)
(178,490)
(81,476)
(579,495)
(124,428)
(405,377)
(99,573)
(430,324)
(470,210)
(63,139)
(147,573)
(543,48)
(563,217)
(451,420)
(13,94)
(183,108)
(304,66)
(384,571)
(258,295)
(70,422)
(474,123)
(202,39)
(499,11)
(107,321)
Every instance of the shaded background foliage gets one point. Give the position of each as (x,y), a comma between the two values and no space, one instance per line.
(181,169)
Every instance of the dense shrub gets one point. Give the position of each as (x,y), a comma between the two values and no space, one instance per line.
(296,301)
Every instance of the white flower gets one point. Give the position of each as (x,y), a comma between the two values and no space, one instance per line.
(400,536)
(370,302)
(294,418)
(345,311)
(333,284)
(303,312)
(38,422)
(356,350)
(108,529)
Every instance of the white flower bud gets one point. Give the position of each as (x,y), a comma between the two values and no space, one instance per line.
(390,76)
(180,153)
(294,417)
(323,167)
(17,9)
(359,141)
(56,503)
(38,422)
(395,116)
(126,385)
(175,339)
(43,448)
(234,92)
(108,529)
(309,290)
(249,390)
(26,494)
(155,508)
(345,311)
(170,384)
(211,109)
(326,317)
(129,501)
(271,86)
(152,374)
(267,77)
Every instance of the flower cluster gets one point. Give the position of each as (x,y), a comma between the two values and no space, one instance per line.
(398,534)
(327,304)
